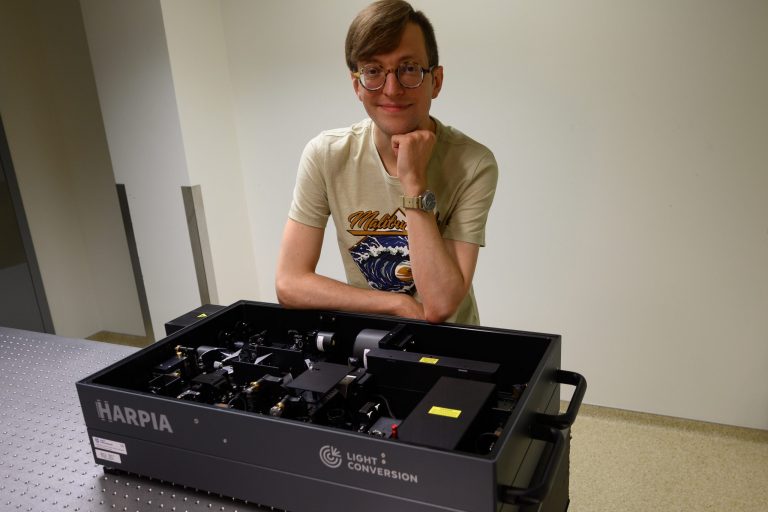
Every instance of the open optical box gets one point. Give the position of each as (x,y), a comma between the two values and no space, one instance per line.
(320,411)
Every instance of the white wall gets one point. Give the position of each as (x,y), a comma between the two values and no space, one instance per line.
(199,65)
(631,210)
(270,44)
(135,86)
(56,138)
(162,73)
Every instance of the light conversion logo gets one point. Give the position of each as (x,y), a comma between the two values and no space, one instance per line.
(330,456)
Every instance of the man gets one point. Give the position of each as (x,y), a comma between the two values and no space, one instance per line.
(409,196)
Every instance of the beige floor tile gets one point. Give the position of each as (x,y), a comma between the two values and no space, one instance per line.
(624,461)
(120,339)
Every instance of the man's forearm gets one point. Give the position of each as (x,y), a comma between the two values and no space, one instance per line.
(314,291)
(438,276)
(442,280)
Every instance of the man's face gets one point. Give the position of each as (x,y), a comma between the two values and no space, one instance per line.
(395,109)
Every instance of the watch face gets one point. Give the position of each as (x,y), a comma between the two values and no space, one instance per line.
(428,201)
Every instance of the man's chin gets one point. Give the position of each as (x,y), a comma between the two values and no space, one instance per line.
(391,129)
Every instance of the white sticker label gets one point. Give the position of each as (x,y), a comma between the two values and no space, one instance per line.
(111,457)
(112,446)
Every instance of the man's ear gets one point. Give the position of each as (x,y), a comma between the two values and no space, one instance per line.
(437,81)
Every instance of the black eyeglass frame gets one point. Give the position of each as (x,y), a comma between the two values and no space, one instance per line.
(358,74)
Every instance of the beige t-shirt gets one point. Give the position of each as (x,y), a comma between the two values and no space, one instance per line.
(341,174)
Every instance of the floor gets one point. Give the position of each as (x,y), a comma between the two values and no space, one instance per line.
(624,461)
(121,339)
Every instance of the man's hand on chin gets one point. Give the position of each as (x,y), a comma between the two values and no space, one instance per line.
(413,151)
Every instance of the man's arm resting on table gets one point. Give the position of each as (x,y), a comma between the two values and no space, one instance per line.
(298,286)
(443,269)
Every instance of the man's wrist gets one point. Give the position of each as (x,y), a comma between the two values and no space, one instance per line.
(413,183)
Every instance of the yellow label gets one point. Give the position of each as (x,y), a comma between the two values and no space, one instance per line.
(429,360)
(444,411)
(202,315)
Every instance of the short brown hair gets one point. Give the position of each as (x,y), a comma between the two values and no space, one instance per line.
(379,27)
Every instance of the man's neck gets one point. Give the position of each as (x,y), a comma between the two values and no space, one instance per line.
(383,144)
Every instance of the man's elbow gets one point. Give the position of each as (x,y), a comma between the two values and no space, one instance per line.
(285,291)
(438,314)
(439,311)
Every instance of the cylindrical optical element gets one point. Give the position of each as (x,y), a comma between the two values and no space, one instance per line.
(325,340)
(366,340)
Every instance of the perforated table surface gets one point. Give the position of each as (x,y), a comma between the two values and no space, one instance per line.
(46,462)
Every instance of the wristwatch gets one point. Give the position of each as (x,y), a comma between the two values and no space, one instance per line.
(425,201)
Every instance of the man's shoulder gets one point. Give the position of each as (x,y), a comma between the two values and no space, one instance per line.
(336,149)
(454,139)
(348,134)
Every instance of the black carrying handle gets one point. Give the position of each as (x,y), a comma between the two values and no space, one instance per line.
(550,428)
(538,491)
(565,420)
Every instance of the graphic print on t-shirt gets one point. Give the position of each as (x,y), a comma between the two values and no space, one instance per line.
(382,252)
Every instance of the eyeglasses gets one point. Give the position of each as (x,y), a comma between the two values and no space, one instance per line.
(409,74)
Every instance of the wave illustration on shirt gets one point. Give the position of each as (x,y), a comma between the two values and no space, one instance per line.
(385,262)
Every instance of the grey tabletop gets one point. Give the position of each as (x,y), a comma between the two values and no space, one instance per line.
(46,462)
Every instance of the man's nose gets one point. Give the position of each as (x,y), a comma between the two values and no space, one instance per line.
(392,84)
